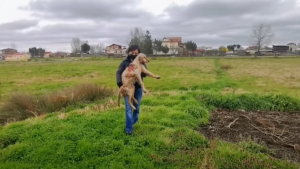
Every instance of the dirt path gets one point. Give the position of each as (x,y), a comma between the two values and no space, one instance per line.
(278,131)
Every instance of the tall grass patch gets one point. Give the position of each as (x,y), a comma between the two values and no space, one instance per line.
(22,105)
(249,102)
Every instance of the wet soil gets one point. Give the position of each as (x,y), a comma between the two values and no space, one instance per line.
(280,132)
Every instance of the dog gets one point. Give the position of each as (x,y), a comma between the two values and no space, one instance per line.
(131,75)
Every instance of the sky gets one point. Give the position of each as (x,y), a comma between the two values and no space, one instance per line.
(51,24)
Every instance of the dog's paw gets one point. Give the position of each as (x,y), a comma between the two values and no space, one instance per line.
(157,77)
(145,91)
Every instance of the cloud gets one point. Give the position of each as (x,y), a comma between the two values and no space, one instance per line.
(206,22)
(18,25)
(89,9)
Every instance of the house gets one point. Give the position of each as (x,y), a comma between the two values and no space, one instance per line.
(254,49)
(205,48)
(199,52)
(8,50)
(48,54)
(294,47)
(174,44)
(17,56)
(60,54)
(281,48)
(115,49)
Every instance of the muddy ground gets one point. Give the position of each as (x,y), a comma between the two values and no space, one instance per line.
(278,131)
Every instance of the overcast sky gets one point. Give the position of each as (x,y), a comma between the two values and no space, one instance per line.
(51,24)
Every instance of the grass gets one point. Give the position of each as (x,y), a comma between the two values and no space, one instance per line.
(21,105)
(91,134)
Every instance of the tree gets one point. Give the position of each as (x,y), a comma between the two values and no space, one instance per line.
(233,47)
(76,45)
(85,47)
(33,51)
(190,45)
(41,52)
(99,48)
(157,46)
(142,39)
(136,37)
(147,44)
(92,49)
(262,35)
(223,50)
(165,49)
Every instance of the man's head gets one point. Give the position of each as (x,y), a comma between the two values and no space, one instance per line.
(133,51)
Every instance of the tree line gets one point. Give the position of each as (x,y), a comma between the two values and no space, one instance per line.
(261,35)
(143,38)
(79,47)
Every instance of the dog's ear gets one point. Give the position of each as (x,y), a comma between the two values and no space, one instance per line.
(140,58)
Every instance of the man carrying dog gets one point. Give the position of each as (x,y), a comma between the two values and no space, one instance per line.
(131,117)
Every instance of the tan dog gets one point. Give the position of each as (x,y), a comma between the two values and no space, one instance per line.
(131,75)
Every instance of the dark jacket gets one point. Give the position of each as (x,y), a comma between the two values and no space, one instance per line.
(124,64)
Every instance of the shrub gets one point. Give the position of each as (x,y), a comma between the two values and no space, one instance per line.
(225,67)
(21,106)
(250,102)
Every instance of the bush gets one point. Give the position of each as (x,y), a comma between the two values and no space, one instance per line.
(250,102)
(21,106)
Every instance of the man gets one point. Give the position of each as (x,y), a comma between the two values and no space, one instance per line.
(131,117)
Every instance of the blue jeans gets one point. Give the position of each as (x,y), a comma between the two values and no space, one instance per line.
(133,117)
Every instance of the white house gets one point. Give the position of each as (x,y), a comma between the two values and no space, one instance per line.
(115,49)
(174,44)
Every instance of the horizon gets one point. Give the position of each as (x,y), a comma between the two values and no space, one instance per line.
(52,24)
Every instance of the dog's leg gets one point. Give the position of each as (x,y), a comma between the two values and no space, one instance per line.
(147,72)
(130,96)
(136,102)
(120,94)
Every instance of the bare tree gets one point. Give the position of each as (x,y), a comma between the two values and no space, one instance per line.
(13,46)
(76,45)
(99,48)
(92,49)
(136,37)
(262,36)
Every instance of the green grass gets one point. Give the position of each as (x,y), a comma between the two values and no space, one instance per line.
(166,135)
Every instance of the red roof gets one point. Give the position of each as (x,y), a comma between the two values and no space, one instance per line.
(174,39)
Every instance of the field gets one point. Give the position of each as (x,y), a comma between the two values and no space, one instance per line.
(203,113)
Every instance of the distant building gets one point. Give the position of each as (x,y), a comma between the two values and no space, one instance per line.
(115,49)
(8,51)
(294,47)
(17,57)
(254,49)
(48,54)
(175,45)
(281,48)
(205,48)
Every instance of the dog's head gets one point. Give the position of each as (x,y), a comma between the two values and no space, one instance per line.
(143,58)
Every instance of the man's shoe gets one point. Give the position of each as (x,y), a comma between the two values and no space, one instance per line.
(128,133)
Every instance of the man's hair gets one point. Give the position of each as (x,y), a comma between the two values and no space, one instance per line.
(132,48)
